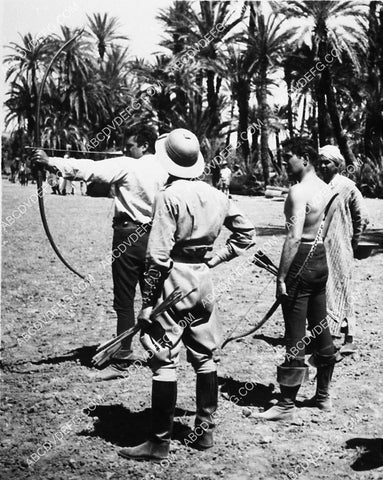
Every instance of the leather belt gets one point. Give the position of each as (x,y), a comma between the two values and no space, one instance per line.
(190,255)
(126,221)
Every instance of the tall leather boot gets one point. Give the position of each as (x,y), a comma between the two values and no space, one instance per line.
(164,398)
(207,402)
(290,380)
(325,369)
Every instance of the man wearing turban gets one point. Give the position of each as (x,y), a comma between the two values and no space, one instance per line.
(348,223)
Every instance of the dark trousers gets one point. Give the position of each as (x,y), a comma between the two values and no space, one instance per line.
(307,300)
(128,267)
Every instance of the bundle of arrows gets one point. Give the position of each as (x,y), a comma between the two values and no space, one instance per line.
(109,348)
(260,259)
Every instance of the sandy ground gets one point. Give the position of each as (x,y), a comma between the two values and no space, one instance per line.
(59,424)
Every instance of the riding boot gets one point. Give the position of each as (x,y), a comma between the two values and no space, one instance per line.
(290,380)
(325,369)
(164,398)
(207,401)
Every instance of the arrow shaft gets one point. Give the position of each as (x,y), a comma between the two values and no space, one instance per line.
(87,152)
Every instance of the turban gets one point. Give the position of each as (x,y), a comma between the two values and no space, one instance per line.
(331,152)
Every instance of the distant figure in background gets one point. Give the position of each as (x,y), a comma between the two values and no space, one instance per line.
(4,158)
(225,175)
(15,169)
(53,181)
(348,223)
(23,177)
(215,174)
(67,185)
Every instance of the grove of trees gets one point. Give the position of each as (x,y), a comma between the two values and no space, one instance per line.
(217,72)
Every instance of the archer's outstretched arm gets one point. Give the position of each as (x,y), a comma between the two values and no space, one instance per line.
(104,171)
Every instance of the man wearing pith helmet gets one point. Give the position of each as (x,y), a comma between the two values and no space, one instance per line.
(187,219)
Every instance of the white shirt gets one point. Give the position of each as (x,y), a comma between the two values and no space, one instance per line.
(226,174)
(136,181)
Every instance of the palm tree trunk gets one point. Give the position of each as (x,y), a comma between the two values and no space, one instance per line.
(322,113)
(227,143)
(303,114)
(243,96)
(321,50)
(335,119)
(373,134)
(255,154)
(264,126)
(198,95)
(278,147)
(314,128)
(212,101)
(289,101)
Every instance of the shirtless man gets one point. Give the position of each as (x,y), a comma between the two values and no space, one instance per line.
(303,290)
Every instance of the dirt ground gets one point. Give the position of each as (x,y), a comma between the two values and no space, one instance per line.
(60,424)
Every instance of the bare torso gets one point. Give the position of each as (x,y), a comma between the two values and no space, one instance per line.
(307,201)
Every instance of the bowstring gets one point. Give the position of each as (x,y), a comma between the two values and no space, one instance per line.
(229,334)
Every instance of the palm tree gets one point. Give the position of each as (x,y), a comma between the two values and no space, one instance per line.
(164,103)
(24,67)
(332,30)
(373,135)
(240,76)
(187,29)
(298,60)
(267,46)
(175,20)
(21,107)
(59,130)
(202,23)
(26,59)
(104,29)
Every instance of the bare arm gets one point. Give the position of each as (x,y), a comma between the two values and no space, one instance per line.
(295,208)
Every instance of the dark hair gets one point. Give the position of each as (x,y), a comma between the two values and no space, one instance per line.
(142,134)
(301,146)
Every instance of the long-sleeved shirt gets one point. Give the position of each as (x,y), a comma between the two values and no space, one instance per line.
(136,181)
(190,214)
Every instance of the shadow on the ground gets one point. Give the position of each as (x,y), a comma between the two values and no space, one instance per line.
(246,393)
(118,425)
(280,341)
(370,453)
(274,341)
(270,231)
(82,354)
(374,236)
